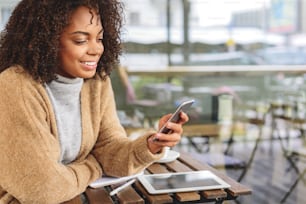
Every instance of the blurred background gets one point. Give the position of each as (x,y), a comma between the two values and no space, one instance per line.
(220,32)
(203,32)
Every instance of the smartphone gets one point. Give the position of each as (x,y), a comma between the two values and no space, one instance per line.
(176,115)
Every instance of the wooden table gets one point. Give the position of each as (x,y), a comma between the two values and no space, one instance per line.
(137,194)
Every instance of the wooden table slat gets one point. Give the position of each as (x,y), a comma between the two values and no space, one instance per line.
(98,196)
(177,166)
(187,196)
(129,196)
(157,168)
(214,194)
(154,199)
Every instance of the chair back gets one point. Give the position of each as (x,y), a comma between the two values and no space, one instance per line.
(123,89)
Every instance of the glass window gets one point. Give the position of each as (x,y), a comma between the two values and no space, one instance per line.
(5,14)
(219,32)
(6,8)
(201,32)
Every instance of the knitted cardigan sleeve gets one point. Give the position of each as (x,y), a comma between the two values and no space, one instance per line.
(29,149)
(117,154)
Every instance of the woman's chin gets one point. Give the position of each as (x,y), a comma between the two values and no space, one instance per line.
(88,74)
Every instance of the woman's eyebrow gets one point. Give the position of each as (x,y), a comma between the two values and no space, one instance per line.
(79,32)
(84,33)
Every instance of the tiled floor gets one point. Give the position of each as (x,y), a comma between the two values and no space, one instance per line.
(268,177)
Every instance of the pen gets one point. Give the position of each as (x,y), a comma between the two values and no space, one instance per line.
(116,190)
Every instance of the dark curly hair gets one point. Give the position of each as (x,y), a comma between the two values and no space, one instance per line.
(31,36)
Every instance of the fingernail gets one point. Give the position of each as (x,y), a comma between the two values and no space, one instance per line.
(156,138)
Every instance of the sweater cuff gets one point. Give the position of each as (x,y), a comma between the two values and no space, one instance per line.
(142,151)
(96,166)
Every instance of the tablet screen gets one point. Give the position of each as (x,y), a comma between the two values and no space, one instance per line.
(184,181)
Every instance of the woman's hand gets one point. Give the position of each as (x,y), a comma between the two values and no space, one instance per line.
(159,140)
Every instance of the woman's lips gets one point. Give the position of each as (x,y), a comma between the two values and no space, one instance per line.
(89,65)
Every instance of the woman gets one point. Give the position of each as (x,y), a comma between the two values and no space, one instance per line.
(59,127)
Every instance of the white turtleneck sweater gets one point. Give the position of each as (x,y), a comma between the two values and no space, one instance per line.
(65,97)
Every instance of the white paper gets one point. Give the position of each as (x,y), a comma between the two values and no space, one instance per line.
(107,180)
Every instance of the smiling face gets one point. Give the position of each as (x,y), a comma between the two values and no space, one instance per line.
(81,44)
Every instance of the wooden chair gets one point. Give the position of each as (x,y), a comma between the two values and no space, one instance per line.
(225,159)
(258,119)
(294,154)
(228,161)
(301,152)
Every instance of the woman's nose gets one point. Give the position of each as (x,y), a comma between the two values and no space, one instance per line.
(96,48)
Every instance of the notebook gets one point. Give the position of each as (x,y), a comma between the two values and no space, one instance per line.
(108,180)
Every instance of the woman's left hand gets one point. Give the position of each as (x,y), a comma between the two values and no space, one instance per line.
(159,140)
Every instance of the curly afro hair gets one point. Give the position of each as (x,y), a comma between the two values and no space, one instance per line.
(31,36)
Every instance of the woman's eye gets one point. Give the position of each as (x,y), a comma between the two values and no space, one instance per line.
(79,42)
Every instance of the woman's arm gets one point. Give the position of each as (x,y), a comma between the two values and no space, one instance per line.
(118,154)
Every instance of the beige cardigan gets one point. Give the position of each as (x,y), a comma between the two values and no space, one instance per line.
(30,171)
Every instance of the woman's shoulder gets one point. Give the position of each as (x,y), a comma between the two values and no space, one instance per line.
(14,73)
(16,77)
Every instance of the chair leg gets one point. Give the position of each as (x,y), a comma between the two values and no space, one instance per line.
(288,157)
(252,156)
(301,176)
(229,144)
